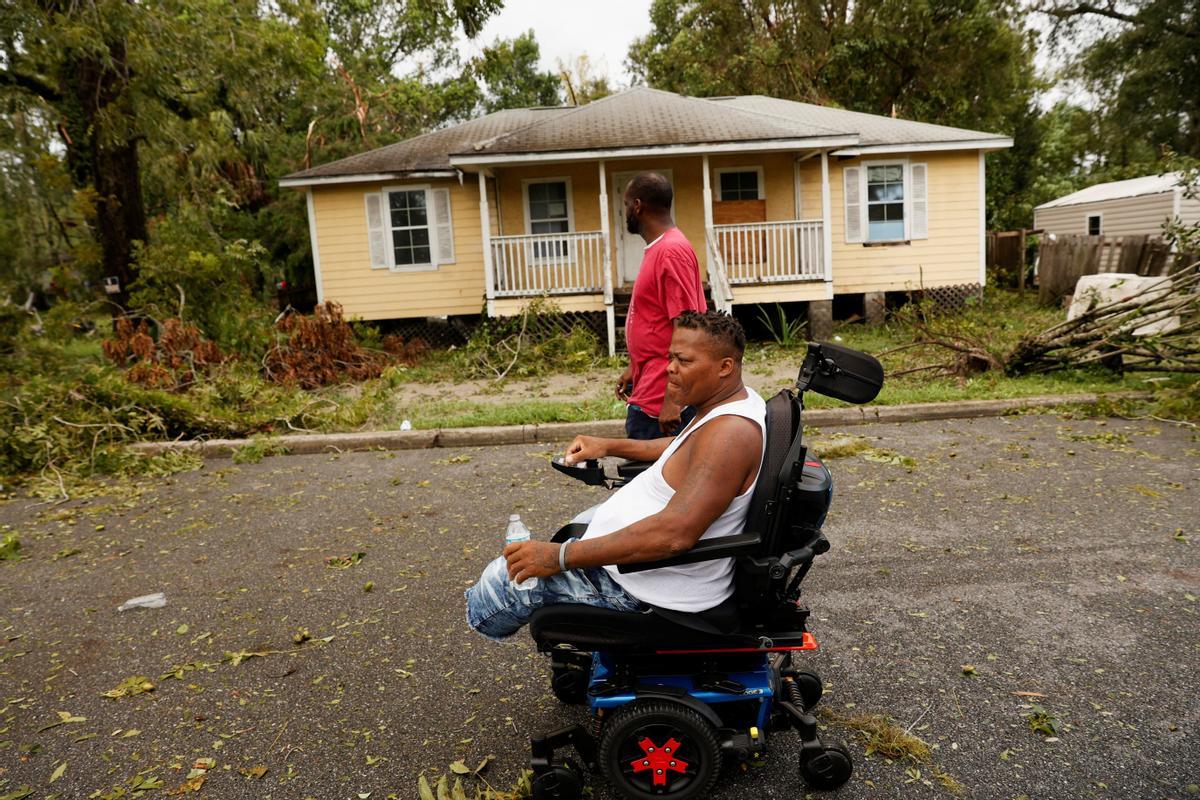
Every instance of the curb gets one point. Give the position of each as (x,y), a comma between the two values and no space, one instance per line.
(315,443)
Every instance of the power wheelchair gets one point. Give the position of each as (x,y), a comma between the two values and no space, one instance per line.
(673,695)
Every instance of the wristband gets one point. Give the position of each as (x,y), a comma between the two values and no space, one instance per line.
(562,556)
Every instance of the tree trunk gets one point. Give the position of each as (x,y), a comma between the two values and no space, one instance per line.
(102,153)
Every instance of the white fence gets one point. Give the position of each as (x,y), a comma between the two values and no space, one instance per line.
(769,252)
(548,263)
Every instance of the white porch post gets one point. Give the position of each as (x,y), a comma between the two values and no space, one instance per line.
(485,224)
(708,228)
(982,224)
(826,222)
(610,317)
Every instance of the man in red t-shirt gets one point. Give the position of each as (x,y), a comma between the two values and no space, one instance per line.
(668,283)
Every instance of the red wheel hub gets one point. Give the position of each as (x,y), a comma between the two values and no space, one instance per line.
(660,759)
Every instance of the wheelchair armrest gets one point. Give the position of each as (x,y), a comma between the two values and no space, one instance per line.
(631,469)
(568,531)
(704,550)
(590,472)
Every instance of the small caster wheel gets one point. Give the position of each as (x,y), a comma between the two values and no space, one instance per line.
(569,683)
(810,685)
(828,768)
(560,783)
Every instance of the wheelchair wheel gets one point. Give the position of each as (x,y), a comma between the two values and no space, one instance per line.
(569,682)
(827,769)
(560,783)
(656,748)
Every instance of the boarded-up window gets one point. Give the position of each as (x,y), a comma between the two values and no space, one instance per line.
(739,185)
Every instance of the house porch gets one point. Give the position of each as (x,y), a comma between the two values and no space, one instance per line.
(759,223)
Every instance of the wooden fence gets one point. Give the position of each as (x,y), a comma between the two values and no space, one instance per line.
(1062,261)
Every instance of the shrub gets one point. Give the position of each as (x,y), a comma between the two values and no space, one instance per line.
(174,362)
(319,350)
(541,340)
(186,270)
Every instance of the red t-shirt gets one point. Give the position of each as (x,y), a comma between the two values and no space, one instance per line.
(668,283)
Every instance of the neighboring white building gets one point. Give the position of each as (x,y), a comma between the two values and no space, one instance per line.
(1119,208)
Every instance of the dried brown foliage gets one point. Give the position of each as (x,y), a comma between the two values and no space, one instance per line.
(173,362)
(409,351)
(320,350)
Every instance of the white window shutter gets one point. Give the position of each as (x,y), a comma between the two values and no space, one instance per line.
(376,230)
(445,231)
(918,191)
(854,204)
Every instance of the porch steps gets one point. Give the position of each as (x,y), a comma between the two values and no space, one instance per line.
(621,312)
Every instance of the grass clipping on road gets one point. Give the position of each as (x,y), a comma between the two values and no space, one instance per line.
(880,735)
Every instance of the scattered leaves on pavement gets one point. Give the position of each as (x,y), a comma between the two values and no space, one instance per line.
(131,686)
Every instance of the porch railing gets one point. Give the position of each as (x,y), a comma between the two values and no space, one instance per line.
(718,278)
(770,252)
(548,263)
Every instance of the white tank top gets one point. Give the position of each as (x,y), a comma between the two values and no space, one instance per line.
(688,587)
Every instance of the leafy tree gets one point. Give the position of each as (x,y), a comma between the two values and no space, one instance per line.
(965,63)
(581,82)
(1140,65)
(509,71)
(208,100)
(949,61)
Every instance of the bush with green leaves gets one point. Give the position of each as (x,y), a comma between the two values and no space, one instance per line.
(538,341)
(187,270)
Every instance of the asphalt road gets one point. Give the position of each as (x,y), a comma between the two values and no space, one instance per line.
(1054,556)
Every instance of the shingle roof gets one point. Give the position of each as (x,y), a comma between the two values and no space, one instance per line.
(1113,190)
(644,117)
(872,129)
(431,151)
(639,118)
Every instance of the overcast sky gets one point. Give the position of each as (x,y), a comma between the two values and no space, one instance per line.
(566,29)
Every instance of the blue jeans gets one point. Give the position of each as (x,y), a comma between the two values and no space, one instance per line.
(497,609)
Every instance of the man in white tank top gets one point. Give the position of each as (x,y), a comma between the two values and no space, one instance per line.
(699,487)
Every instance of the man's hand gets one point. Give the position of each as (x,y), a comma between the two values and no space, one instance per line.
(531,560)
(584,448)
(668,417)
(622,382)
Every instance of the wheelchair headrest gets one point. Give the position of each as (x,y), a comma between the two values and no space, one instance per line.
(840,373)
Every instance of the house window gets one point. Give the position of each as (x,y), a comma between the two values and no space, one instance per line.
(885,202)
(410,228)
(739,185)
(549,211)
(1093,221)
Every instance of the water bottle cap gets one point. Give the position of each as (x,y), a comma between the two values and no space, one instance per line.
(513,517)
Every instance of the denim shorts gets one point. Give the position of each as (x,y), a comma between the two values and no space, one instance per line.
(497,609)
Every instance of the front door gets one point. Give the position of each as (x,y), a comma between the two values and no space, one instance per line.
(630,246)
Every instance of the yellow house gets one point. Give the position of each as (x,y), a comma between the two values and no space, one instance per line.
(783,202)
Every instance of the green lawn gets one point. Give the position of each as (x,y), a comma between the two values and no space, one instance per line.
(69,411)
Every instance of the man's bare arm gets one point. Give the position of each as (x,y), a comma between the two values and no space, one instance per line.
(585,447)
(722,457)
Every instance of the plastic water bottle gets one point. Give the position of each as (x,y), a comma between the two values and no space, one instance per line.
(518,532)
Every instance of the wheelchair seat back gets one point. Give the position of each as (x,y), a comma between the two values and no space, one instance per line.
(786,512)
